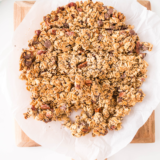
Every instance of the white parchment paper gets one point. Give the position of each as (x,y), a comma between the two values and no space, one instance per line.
(147,25)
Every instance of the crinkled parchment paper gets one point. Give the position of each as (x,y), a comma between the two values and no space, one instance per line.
(147,25)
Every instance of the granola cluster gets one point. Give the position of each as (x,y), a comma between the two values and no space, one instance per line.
(84,57)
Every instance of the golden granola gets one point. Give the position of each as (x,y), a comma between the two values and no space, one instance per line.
(84,57)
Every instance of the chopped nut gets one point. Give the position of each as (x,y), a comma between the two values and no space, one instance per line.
(121,94)
(45,106)
(47,43)
(100,37)
(54,32)
(88,82)
(59,9)
(132,32)
(110,11)
(107,16)
(82,65)
(98,109)
(70,33)
(72,4)
(79,9)
(28,62)
(66,25)
(100,23)
(38,32)
(137,47)
(33,108)
(41,52)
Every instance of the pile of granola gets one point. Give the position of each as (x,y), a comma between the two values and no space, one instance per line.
(84,57)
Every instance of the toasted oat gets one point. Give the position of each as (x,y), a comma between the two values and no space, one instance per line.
(84,57)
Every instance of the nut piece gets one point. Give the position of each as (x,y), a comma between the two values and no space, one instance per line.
(47,43)
(100,23)
(28,62)
(38,32)
(110,11)
(70,33)
(107,16)
(82,65)
(45,106)
(54,32)
(98,109)
(59,9)
(79,9)
(41,52)
(121,94)
(33,108)
(66,25)
(132,32)
(71,4)
(88,82)
(137,47)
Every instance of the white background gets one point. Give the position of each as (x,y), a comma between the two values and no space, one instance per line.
(8,149)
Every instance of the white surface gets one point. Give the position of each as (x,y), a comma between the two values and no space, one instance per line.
(51,134)
(8,149)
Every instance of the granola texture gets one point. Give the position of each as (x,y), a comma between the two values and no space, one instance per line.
(84,57)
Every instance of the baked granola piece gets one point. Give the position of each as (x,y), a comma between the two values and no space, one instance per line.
(84,57)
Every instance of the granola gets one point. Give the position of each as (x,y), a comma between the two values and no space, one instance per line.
(84,57)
